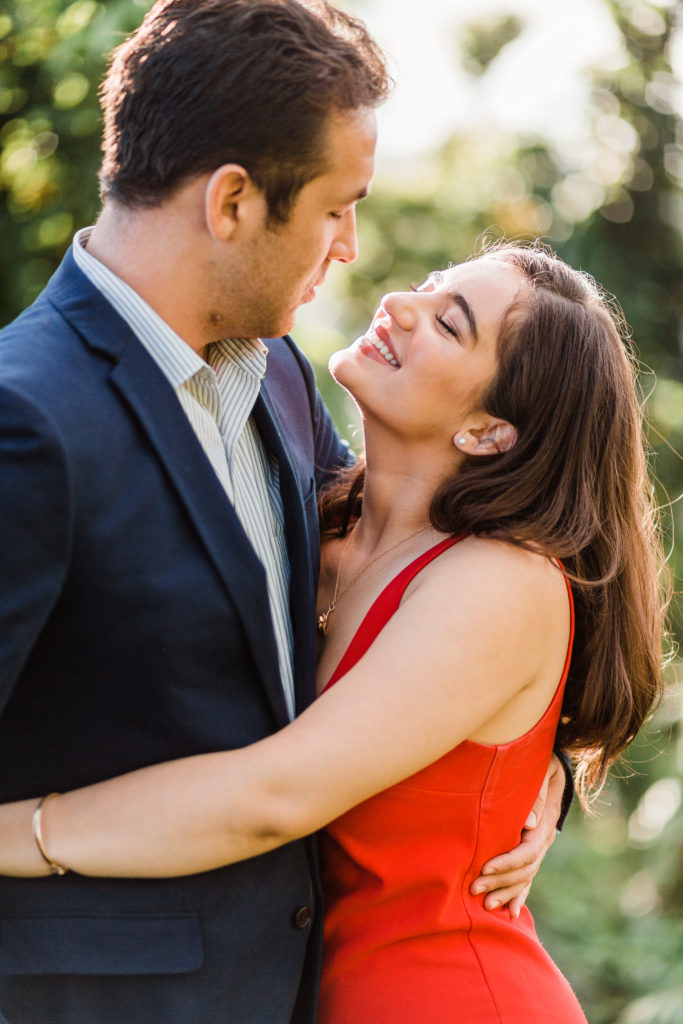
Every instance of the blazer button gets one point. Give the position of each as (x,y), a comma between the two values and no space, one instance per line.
(303,917)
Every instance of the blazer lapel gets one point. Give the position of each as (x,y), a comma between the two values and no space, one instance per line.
(302,584)
(155,405)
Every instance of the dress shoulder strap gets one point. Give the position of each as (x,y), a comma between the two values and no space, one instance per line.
(384,607)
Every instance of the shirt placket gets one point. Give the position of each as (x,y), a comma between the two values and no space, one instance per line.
(203,386)
(251,475)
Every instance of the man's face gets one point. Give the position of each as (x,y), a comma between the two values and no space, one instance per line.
(279,268)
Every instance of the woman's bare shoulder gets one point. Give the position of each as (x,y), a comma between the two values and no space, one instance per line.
(486,570)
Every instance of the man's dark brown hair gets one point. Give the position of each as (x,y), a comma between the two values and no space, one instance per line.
(208,82)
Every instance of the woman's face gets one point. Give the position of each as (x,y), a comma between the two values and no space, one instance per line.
(426,359)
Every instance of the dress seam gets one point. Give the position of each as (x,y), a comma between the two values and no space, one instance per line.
(470,928)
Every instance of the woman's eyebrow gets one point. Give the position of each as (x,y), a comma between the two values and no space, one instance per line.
(436,277)
(461,301)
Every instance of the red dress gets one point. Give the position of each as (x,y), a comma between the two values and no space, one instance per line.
(405,942)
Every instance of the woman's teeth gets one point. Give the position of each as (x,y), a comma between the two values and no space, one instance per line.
(383,350)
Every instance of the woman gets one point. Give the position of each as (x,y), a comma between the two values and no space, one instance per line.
(502,435)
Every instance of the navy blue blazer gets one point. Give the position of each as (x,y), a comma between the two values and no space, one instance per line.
(135,628)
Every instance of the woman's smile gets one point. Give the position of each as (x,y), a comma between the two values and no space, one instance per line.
(377,344)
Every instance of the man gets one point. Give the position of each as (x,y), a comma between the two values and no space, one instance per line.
(158,497)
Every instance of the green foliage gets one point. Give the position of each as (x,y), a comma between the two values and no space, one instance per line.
(609,900)
(614,208)
(482,41)
(52,56)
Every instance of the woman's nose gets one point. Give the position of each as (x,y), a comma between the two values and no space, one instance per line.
(401,307)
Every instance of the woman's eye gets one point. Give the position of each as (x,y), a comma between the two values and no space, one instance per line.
(336,216)
(447,327)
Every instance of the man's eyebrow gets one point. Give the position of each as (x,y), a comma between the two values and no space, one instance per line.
(363,194)
(459,300)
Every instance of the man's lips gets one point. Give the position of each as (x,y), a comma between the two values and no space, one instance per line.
(310,294)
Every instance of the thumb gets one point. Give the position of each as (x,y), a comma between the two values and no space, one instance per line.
(539,805)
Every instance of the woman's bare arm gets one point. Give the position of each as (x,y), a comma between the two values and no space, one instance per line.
(470,640)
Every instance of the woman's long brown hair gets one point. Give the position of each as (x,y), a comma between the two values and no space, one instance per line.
(575,486)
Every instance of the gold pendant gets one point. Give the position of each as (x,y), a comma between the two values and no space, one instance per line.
(322,622)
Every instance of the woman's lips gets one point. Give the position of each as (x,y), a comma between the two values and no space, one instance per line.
(383,335)
(374,341)
(368,349)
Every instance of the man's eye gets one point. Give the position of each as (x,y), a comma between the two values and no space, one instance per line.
(447,327)
(336,216)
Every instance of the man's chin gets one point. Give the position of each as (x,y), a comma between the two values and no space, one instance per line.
(285,325)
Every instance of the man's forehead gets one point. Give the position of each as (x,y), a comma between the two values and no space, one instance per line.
(349,153)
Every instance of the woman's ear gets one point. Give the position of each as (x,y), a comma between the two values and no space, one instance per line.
(495,437)
(227,191)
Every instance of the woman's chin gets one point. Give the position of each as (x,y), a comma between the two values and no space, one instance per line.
(338,366)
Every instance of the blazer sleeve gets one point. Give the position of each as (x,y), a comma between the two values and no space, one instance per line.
(568,793)
(34,527)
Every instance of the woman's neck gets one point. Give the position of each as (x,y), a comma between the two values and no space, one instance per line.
(397,495)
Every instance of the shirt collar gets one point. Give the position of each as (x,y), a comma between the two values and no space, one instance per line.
(248,354)
(176,359)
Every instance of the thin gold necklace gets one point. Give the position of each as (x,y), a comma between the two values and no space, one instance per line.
(324,616)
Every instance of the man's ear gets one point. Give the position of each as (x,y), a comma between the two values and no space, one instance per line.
(229,191)
(492,438)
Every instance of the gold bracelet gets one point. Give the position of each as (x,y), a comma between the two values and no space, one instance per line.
(55,868)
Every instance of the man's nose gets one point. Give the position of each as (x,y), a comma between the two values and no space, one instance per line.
(344,248)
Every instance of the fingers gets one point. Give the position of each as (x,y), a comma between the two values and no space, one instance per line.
(555,791)
(511,894)
(532,848)
(549,799)
(555,769)
(556,779)
(517,902)
(514,870)
(512,879)
(536,812)
(548,804)
(507,878)
(519,874)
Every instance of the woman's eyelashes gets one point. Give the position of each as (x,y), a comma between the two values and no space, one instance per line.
(448,327)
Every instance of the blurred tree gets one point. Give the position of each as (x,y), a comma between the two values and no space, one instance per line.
(52,55)
(609,900)
(482,41)
(612,205)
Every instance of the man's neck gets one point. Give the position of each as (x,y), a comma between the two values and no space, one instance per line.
(147,250)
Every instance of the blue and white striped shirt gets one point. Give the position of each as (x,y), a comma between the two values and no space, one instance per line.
(218,398)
